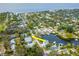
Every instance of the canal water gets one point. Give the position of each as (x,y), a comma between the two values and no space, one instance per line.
(54,38)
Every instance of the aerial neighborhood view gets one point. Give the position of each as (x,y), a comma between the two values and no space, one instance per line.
(39,29)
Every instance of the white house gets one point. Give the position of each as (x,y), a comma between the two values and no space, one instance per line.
(12,44)
(28,39)
(29,45)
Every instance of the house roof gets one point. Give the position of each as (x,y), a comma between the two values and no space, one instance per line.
(28,39)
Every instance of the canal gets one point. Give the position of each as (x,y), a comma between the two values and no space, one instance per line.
(54,38)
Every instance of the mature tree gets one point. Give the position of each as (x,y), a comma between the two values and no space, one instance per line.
(34,51)
(70,29)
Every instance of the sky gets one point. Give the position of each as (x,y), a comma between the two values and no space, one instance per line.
(33,7)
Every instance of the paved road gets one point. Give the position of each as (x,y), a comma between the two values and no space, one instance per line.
(41,47)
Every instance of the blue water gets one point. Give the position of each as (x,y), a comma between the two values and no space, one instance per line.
(54,38)
(75,42)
